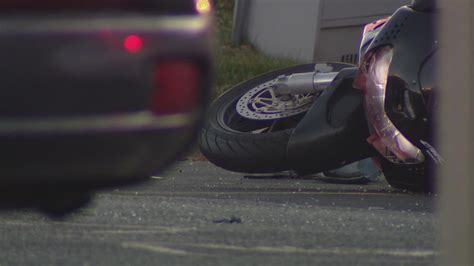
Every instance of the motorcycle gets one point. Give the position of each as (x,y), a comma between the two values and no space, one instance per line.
(313,118)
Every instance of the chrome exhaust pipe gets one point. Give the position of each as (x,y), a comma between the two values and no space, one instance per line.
(303,83)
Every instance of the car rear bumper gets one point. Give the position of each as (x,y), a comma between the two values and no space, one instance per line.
(77,106)
(57,65)
(91,150)
(144,120)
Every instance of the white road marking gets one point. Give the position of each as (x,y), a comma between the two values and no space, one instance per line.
(258,193)
(155,248)
(321,251)
(167,230)
(281,250)
(119,228)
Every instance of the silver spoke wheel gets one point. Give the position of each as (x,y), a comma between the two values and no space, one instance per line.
(261,103)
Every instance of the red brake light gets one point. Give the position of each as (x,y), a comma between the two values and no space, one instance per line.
(176,84)
(133,44)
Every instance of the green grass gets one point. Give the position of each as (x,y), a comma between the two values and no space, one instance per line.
(236,64)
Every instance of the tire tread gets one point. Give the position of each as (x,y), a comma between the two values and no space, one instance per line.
(246,152)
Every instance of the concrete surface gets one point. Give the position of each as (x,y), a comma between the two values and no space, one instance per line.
(197,214)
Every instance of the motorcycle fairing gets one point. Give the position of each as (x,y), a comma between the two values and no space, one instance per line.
(371,31)
(412,37)
(333,132)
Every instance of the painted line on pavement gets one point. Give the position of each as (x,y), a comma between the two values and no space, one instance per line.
(321,251)
(160,248)
(258,193)
(155,248)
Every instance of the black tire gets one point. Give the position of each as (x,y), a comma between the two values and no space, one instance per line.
(241,151)
(414,178)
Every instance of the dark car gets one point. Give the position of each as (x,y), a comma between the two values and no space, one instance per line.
(99,92)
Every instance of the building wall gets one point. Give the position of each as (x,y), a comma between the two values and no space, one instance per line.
(284,28)
(342,23)
(309,30)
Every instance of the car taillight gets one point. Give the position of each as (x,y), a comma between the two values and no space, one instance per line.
(386,138)
(133,43)
(175,87)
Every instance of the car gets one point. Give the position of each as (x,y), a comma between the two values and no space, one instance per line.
(99,92)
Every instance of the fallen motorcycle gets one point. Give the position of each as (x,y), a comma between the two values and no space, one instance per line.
(318,117)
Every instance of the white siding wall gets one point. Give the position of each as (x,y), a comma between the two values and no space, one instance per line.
(342,23)
(310,30)
(285,28)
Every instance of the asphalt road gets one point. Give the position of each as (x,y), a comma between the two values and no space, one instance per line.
(197,214)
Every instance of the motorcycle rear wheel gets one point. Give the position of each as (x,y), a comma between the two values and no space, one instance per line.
(245,145)
(414,178)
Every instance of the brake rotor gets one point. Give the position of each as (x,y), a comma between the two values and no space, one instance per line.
(261,103)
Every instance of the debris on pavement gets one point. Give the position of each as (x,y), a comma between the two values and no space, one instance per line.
(232,220)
